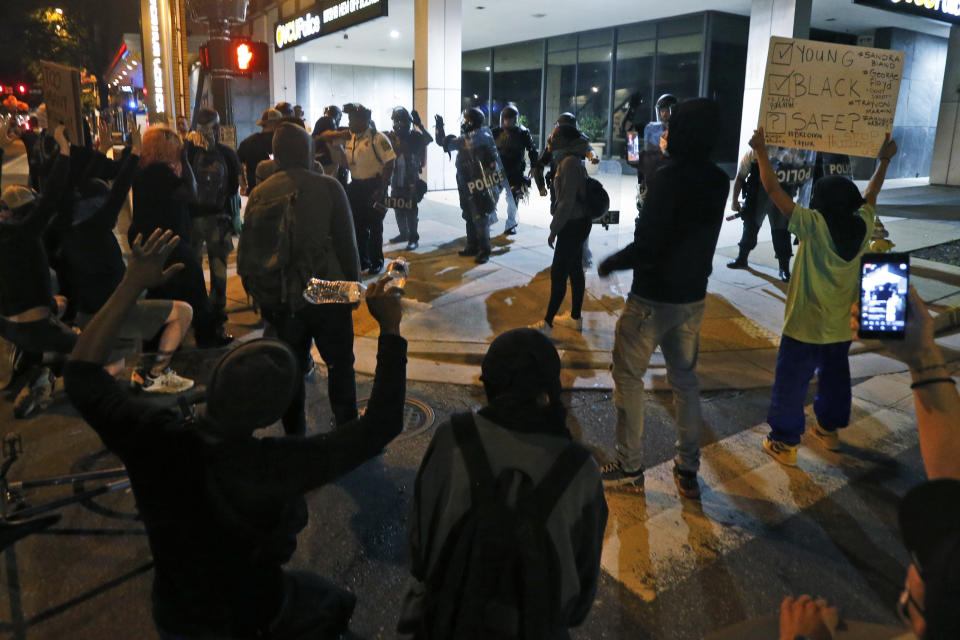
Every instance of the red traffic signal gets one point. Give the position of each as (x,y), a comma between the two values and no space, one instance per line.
(234,57)
(22,89)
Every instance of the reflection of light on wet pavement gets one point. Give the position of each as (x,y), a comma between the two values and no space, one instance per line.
(657,540)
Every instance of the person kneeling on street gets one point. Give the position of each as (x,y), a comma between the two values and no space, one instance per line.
(507,521)
(29,312)
(222,508)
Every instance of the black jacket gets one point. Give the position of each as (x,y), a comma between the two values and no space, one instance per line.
(675,238)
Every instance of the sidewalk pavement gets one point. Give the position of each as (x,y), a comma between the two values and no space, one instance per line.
(455,307)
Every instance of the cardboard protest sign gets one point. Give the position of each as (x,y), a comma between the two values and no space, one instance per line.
(829,97)
(61,94)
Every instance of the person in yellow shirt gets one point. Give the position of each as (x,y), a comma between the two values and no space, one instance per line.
(834,232)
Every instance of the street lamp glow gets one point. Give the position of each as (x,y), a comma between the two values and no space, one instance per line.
(58,11)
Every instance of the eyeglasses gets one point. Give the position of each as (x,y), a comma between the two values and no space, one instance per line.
(903,606)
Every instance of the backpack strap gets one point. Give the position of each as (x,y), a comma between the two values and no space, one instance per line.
(566,467)
(478,464)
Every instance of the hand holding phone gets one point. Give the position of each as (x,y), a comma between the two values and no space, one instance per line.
(884,288)
(633,147)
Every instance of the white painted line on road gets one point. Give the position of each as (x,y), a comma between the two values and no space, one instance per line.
(655,541)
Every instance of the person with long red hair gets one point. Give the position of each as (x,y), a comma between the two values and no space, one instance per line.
(162,192)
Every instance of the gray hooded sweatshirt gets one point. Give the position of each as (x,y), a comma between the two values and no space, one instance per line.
(570,181)
(325,236)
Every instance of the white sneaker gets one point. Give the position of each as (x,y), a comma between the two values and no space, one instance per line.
(565,320)
(167,381)
(542,327)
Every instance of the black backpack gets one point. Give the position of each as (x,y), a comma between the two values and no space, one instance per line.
(595,200)
(498,574)
(211,172)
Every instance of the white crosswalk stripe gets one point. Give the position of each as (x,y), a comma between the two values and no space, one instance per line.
(655,540)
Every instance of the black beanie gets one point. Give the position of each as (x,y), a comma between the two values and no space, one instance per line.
(251,387)
(523,362)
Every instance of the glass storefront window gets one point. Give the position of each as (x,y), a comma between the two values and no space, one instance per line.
(475,80)
(679,48)
(593,84)
(517,74)
(634,86)
(561,79)
(728,61)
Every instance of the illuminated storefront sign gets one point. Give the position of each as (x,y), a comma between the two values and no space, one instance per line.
(299,30)
(156,60)
(340,14)
(327,17)
(944,10)
(156,29)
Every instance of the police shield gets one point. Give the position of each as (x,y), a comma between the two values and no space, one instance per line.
(483,173)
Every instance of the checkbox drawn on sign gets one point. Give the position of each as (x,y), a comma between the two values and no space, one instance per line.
(779,84)
(776,122)
(783,53)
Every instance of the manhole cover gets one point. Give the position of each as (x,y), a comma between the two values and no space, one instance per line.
(418,416)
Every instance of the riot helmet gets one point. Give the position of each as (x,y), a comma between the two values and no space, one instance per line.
(333,112)
(510,116)
(208,125)
(359,117)
(471,120)
(665,105)
(567,118)
(285,108)
(402,121)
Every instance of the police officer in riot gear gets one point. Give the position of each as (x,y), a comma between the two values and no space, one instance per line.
(513,140)
(480,178)
(794,168)
(652,156)
(334,113)
(409,140)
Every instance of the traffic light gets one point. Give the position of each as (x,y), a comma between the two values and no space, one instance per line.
(235,56)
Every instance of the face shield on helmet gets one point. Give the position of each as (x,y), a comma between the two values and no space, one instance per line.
(402,122)
(510,116)
(665,105)
(471,120)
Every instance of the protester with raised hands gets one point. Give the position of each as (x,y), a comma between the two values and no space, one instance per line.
(834,232)
(222,508)
(29,313)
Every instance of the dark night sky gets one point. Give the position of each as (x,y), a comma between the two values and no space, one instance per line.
(111,17)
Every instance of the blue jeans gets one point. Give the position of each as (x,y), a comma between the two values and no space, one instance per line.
(796,363)
(675,328)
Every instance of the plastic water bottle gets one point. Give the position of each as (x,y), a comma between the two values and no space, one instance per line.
(333,291)
(397,271)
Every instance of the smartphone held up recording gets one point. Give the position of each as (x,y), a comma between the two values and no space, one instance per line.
(633,147)
(884,289)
